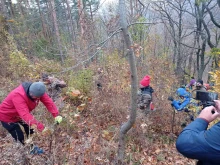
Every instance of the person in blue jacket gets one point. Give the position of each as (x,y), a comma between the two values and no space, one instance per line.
(185,96)
(198,142)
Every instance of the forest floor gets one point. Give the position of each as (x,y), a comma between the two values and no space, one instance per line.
(89,142)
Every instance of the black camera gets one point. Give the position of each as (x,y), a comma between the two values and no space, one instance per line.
(206,98)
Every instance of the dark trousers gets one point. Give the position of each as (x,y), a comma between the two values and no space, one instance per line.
(15,130)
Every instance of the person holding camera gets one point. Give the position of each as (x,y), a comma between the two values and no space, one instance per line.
(198,142)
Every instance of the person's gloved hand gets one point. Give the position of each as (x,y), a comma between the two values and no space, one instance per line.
(58,119)
(40,127)
(170,98)
(186,110)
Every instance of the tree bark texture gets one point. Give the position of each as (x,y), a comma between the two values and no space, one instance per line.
(127,126)
(57,33)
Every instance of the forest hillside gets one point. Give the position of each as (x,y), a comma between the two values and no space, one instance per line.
(85,43)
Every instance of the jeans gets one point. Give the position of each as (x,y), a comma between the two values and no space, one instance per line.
(15,130)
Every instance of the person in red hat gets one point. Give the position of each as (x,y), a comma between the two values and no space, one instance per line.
(145,94)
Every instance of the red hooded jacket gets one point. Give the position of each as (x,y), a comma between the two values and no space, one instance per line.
(18,105)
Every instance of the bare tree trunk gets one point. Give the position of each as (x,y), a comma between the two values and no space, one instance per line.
(179,59)
(127,126)
(56,29)
(90,10)
(42,20)
(81,15)
(191,58)
(27,7)
(132,9)
(200,34)
(71,25)
(11,9)
(20,9)
(3,9)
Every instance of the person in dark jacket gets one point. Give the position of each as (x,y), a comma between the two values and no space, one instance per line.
(198,142)
(15,109)
(145,94)
(199,87)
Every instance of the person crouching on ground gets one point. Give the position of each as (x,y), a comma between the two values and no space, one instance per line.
(145,96)
(16,107)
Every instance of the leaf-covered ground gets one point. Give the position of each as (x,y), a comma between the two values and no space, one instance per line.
(91,141)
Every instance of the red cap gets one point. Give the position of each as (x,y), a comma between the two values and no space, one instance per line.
(145,81)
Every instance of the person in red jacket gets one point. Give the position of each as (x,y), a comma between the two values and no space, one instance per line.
(16,109)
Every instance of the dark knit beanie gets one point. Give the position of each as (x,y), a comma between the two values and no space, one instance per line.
(200,81)
(37,89)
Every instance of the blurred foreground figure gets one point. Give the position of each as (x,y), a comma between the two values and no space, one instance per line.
(198,142)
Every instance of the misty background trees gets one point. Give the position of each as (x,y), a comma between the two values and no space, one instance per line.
(187,31)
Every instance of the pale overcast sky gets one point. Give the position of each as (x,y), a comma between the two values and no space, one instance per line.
(15,1)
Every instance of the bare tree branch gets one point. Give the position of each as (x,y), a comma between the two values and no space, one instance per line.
(100,45)
(133,70)
(208,34)
(212,17)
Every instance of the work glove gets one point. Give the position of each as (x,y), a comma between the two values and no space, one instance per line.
(170,98)
(40,127)
(186,110)
(58,119)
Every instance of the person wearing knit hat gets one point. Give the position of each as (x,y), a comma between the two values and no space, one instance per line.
(199,87)
(15,110)
(145,94)
(145,81)
(37,89)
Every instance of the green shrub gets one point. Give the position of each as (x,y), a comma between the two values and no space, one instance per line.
(82,81)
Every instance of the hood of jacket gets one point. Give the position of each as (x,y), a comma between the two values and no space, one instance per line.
(182,93)
(26,86)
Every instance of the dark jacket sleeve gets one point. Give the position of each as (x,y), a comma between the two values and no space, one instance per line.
(196,142)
